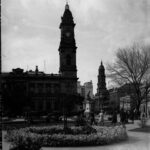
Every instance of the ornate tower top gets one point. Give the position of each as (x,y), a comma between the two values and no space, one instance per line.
(67,18)
(101,67)
(67,6)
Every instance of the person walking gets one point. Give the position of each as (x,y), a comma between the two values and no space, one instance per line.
(122,116)
(114,117)
(143,119)
(101,118)
(132,116)
(126,116)
(93,118)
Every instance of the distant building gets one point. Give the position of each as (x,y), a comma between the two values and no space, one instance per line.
(102,95)
(44,92)
(145,106)
(84,89)
(121,97)
(125,102)
(88,88)
(114,99)
(79,88)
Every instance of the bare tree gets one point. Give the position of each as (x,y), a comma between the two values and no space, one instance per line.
(132,65)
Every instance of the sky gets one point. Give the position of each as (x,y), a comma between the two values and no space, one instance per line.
(31,34)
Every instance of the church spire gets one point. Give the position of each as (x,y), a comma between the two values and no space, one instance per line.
(101,78)
(67,6)
(67,18)
(101,67)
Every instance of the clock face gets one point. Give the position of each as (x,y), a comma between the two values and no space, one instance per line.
(68,34)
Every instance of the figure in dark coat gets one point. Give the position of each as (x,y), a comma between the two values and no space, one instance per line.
(132,116)
(122,116)
(114,117)
(93,118)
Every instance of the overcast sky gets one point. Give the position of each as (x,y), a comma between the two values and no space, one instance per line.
(31,35)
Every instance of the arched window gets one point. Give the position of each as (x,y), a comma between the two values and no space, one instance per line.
(68,60)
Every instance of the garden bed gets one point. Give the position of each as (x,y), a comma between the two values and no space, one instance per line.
(33,138)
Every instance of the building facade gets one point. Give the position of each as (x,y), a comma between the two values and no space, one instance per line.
(38,91)
(85,89)
(121,97)
(88,89)
(114,99)
(145,106)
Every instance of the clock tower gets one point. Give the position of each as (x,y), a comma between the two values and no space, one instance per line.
(67,49)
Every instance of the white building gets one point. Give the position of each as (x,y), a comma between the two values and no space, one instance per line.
(79,87)
(84,89)
(125,102)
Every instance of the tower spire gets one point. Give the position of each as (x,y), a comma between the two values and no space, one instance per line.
(67,5)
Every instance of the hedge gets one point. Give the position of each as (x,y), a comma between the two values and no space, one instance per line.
(33,138)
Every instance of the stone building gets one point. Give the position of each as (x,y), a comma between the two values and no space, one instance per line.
(121,97)
(102,95)
(79,88)
(44,92)
(85,89)
(145,105)
(88,88)
(114,99)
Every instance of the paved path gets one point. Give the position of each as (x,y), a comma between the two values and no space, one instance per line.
(137,141)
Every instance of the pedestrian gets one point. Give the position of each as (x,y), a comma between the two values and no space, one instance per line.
(135,114)
(143,119)
(126,116)
(132,116)
(93,118)
(114,117)
(122,116)
(101,118)
(139,114)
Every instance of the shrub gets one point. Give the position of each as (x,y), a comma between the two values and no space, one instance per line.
(22,140)
(80,121)
(60,130)
(34,138)
(88,130)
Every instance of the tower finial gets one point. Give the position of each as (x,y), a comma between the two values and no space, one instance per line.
(67,6)
(101,62)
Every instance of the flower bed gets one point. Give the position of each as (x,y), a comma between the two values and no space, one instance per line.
(34,138)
